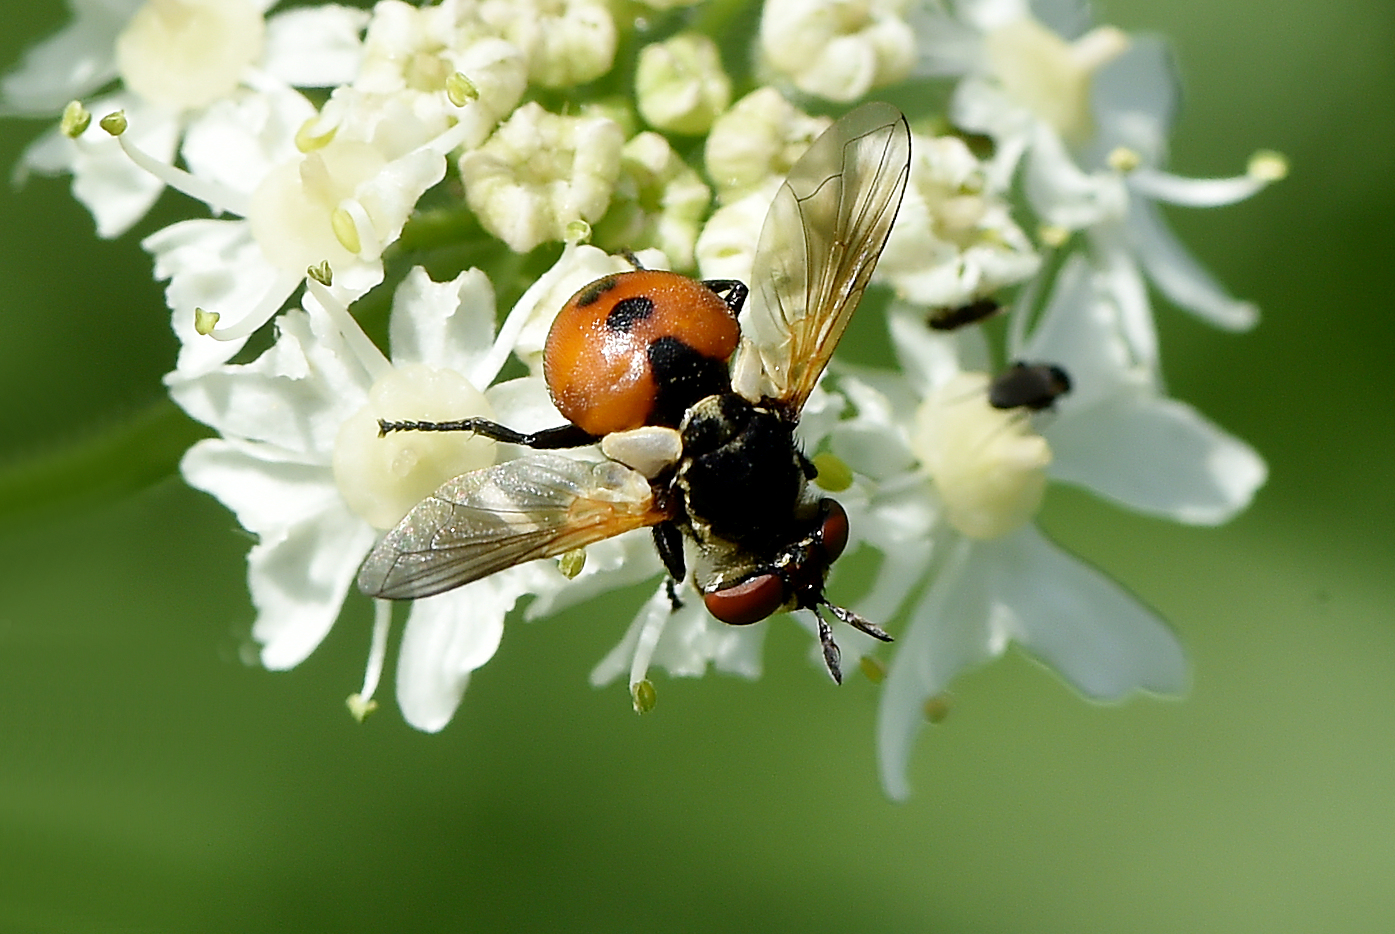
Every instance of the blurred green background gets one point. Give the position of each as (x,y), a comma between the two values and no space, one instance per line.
(151,781)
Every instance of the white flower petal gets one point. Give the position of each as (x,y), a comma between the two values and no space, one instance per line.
(389,196)
(1118,281)
(822,412)
(267,488)
(928,359)
(946,45)
(238,140)
(619,660)
(315,47)
(1194,192)
(1157,456)
(114,189)
(1081,330)
(690,641)
(726,247)
(1065,195)
(900,574)
(217,266)
(991,14)
(296,395)
(445,325)
(1179,276)
(837,50)
(1135,99)
(447,637)
(610,565)
(949,632)
(1022,587)
(524,404)
(1080,623)
(73,62)
(299,578)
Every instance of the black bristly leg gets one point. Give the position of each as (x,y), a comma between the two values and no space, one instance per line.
(563,436)
(731,291)
(832,656)
(668,542)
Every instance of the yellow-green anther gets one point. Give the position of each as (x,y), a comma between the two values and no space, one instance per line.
(833,475)
(872,669)
(644,696)
(359,707)
(114,122)
(577,231)
(205,321)
(460,90)
(76,120)
(1053,235)
(1124,159)
(937,708)
(308,140)
(571,563)
(345,230)
(1268,166)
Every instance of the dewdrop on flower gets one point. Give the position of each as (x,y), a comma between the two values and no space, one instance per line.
(835,48)
(541,171)
(680,85)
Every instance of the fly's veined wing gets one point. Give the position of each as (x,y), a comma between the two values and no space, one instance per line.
(816,251)
(481,522)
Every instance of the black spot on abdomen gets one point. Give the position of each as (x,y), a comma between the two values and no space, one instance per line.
(682,376)
(590,294)
(628,312)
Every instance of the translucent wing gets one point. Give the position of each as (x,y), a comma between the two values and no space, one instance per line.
(535,507)
(816,251)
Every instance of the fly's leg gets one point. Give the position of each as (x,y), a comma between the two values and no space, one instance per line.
(731,291)
(563,436)
(668,542)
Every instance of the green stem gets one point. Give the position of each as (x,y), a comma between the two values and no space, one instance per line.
(105,465)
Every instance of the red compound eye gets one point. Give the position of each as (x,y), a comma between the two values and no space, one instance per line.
(748,602)
(834,530)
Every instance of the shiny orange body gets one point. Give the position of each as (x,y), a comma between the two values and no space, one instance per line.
(599,360)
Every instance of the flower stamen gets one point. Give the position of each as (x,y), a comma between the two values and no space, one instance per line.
(374,363)
(219,198)
(362,704)
(76,120)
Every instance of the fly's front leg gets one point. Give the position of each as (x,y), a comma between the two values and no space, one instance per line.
(668,542)
(731,291)
(549,439)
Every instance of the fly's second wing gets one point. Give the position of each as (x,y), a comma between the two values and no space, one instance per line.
(816,251)
(488,520)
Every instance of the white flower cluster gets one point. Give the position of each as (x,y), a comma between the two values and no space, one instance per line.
(319,137)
